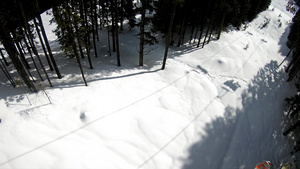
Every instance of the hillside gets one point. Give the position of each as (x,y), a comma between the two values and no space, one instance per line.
(216,107)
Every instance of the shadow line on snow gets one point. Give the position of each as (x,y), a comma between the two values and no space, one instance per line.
(243,137)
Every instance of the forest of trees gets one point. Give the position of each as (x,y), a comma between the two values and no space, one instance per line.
(79,21)
(293,109)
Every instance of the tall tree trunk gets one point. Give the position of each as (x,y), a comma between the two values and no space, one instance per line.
(113,25)
(183,33)
(77,34)
(204,12)
(142,33)
(101,24)
(11,50)
(206,35)
(200,36)
(221,26)
(47,43)
(79,62)
(74,46)
(121,15)
(169,33)
(210,34)
(192,32)
(94,40)
(83,16)
(88,41)
(23,60)
(117,33)
(108,39)
(196,34)
(92,17)
(96,20)
(30,38)
(42,43)
(180,33)
(20,52)
(30,53)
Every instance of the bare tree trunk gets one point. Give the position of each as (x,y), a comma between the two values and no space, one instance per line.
(200,37)
(79,62)
(192,31)
(42,43)
(96,19)
(113,25)
(11,50)
(196,34)
(169,33)
(183,34)
(29,51)
(180,33)
(94,40)
(206,35)
(142,33)
(32,43)
(23,61)
(108,39)
(74,46)
(117,34)
(82,22)
(47,43)
(221,27)
(121,15)
(22,56)
(210,34)
(88,41)
(77,36)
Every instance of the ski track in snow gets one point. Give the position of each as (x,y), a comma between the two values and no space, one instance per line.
(212,111)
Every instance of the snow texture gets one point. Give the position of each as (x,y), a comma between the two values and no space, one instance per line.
(216,107)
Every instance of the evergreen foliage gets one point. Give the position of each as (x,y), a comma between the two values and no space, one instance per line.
(147,34)
(214,14)
(293,103)
(294,45)
(78,23)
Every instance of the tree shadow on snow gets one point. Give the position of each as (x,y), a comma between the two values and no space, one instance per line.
(105,66)
(244,137)
(283,42)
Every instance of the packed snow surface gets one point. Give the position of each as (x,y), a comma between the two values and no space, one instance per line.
(216,107)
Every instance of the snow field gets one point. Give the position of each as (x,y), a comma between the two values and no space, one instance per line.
(216,107)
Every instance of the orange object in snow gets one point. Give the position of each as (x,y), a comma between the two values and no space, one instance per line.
(263,165)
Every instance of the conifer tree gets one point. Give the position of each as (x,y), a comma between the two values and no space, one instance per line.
(147,33)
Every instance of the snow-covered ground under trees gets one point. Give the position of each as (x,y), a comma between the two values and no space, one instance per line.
(216,107)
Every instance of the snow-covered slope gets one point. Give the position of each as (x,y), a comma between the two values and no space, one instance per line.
(216,107)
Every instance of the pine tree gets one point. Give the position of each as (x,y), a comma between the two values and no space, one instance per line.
(147,34)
